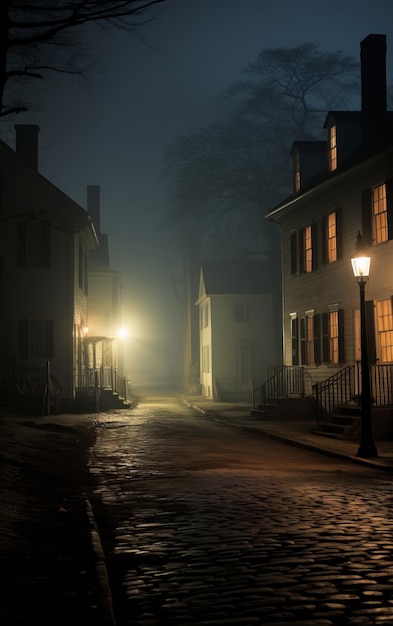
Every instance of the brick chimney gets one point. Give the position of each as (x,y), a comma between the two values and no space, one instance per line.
(373,75)
(26,143)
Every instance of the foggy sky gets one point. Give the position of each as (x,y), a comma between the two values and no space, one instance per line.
(113,131)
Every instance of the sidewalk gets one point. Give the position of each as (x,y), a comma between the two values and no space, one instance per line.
(292,431)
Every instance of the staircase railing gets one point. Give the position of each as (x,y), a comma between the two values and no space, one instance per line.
(333,392)
(345,386)
(104,378)
(283,381)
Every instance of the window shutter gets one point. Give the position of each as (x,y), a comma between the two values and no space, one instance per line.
(325,338)
(324,240)
(389,201)
(295,341)
(301,251)
(366,217)
(303,340)
(314,243)
(293,246)
(370,330)
(317,339)
(21,244)
(23,339)
(341,345)
(339,237)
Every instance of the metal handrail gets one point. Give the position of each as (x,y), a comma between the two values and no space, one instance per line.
(333,392)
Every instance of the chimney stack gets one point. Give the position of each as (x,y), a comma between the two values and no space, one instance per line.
(26,144)
(373,76)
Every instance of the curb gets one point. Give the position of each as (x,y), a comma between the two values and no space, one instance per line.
(295,442)
(105,594)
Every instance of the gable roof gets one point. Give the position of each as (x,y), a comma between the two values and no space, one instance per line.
(223,277)
(35,197)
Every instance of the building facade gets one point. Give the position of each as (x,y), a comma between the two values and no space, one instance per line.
(236,325)
(343,189)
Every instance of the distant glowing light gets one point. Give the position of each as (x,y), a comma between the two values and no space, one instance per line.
(123,332)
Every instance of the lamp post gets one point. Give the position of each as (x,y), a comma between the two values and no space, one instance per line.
(361,271)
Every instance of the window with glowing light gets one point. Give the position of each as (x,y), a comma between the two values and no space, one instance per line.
(332,148)
(331,233)
(380,214)
(308,249)
(385,329)
(334,351)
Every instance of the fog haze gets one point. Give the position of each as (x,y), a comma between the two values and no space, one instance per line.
(146,90)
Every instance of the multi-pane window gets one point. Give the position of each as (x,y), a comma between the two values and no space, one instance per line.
(334,352)
(332,148)
(331,234)
(308,249)
(310,355)
(385,330)
(380,213)
(239,312)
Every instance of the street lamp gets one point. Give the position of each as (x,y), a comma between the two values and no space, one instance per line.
(361,271)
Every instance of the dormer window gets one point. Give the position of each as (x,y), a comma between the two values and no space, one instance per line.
(333,148)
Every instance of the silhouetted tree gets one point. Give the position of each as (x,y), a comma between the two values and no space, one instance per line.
(42,36)
(241,166)
(223,178)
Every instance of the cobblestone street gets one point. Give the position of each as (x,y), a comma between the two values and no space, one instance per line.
(203,524)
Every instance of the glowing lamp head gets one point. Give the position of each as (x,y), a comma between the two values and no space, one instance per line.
(361,267)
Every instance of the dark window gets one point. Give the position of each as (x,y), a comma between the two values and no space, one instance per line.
(33,249)
(36,338)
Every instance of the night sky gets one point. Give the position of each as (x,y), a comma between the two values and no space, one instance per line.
(143,92)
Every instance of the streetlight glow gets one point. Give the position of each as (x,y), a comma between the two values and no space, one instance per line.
(361,267)
(123,332)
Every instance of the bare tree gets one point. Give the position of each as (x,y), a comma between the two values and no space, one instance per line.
(241,166)
(42,36)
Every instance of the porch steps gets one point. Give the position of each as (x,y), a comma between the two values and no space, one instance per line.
(85,401)
(343,423)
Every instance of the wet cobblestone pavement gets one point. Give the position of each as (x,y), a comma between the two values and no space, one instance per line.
(203,525)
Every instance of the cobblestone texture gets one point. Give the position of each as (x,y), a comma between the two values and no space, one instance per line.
(206,526)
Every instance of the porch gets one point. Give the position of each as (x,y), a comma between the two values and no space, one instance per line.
(333,403)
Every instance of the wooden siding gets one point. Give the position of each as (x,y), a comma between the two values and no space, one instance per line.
(333,283)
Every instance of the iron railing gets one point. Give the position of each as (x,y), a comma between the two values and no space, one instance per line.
(333,392)
(345,386)
(102,378)
(283,381)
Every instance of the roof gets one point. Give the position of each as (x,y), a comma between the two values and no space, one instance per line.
(36,197)
(225,277)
